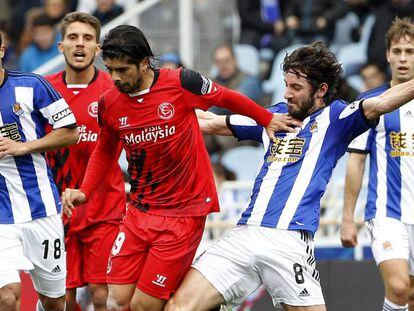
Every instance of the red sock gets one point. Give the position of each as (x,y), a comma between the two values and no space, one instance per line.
(78,308)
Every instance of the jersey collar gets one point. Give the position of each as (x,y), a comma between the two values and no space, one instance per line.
(143,92)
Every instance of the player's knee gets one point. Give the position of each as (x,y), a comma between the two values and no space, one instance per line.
(399,288)
(9,299)
(114,304)
(99,296)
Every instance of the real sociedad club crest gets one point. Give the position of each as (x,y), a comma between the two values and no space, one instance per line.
(165,111)
(17,109)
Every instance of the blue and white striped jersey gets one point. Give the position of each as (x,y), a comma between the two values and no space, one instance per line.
(27,104)
(295,169)
(391,171)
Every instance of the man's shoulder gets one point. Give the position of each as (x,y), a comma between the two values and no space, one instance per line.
(374,92)
(21,78)
(55,78)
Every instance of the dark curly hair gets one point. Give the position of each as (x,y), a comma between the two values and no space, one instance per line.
(318,64)
(126,42)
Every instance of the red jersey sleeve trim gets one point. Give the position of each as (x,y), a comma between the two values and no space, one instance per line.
(243,105)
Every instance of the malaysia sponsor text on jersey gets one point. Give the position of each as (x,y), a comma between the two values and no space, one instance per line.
(150,134)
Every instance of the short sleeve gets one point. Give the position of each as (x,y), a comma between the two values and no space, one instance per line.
(204,93)
(51,105)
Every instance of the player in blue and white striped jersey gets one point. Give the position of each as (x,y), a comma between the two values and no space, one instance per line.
(31,230)
(273,243)
(389,211)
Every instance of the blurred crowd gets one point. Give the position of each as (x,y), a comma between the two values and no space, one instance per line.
(354,29)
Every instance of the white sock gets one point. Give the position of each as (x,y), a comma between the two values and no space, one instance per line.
(390,306)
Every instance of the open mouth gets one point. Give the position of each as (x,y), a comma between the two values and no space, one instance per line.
(79,56)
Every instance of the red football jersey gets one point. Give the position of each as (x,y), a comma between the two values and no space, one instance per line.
(68,164)
(169,168)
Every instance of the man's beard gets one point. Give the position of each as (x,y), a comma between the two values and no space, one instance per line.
(303,110)
(128,88)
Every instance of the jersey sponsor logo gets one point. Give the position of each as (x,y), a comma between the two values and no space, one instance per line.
(286,149)
(150,134)
(206,86)
(165,111)
(160,280)
(93,109)
(11,131)
(86,135)
(400,143)
(17,109)
(61,114)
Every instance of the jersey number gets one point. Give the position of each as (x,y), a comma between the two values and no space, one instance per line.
(57,253)
(116,248)
(298,270)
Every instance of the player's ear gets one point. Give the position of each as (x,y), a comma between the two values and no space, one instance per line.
(144,64)
(322,90)
(60,47)
(98,49)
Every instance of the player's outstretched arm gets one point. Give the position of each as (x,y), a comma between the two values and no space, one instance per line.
(388,101)
(353,183)
(56,139)
(211,123)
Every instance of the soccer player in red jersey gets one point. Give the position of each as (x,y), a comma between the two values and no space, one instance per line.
(151,112)
(92,229)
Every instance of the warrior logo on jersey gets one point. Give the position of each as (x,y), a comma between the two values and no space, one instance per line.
(93,109)
(11,131)
(165,111)
(17,109)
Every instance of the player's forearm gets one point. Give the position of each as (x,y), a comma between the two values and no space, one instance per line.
(54,140)
(100,163)
(388,101)
(211,123)
(353,183)
(243,105)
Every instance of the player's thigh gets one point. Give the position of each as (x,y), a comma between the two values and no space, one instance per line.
(97,248)
(43,243)
(389,239)
(174,244)
(127,257)
(287,266)
(227,266)
(10,293)
(75,261)
(12,257)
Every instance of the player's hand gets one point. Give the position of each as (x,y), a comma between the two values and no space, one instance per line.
(349,234)
(282,123)
(71,198)
(11,147)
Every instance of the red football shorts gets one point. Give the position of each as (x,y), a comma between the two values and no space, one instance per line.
(155,252)
(87,254)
